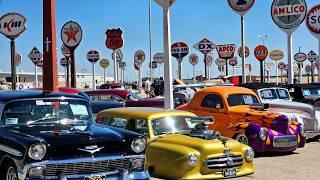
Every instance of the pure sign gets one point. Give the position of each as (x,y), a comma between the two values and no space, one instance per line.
(114,39)
(12,25)
(205,46)
(71,34)
(35,55)
(159,58)
(276,55)
(261,52)
(300,57)
(241,6)
(193,59)
(313,20)
(179,50)
(247,51)
(93,56)
(226,51)
(288,14)
(312,56)
(139,57)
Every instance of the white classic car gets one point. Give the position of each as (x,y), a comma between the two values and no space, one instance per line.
(280,101)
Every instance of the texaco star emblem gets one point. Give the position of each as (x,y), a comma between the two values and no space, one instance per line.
(140,56)
(71,33)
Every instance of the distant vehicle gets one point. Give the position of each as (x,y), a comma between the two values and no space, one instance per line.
(180,146)
(305,93)
(53,136)
(280,101)
(239,114)
(111,86)
(129,98)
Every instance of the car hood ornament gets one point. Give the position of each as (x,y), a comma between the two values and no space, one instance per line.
(91,149)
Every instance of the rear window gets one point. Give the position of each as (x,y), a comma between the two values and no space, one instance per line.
(283,94)
(241,99)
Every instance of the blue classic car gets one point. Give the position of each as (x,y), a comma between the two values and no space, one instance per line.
(52,136)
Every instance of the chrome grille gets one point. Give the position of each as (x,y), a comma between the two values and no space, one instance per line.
(284,141)
(310,124)
(224,162)
(86,167)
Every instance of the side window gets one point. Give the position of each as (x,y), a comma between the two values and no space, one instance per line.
(212,101)
(117,122)
(138,126)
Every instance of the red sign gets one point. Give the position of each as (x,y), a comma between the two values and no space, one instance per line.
(114,39)
(313,20)
(226,51)
(233,62)
(179,50)
(282,66)
(261,52)
(247,51)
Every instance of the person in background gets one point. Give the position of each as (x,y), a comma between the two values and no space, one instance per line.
(3,85)
(147,86)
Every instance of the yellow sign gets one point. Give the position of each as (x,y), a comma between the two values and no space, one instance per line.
(276,55)
(104,63)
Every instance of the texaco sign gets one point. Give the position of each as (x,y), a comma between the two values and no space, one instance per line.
(288,15)
(71,34)
(241,6)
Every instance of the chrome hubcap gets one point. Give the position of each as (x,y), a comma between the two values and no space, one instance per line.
(11,174)
(242,139)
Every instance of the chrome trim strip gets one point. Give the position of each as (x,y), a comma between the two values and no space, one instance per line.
(285,141)
(10,150)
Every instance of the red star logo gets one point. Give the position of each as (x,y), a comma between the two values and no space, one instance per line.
(71,33)
(140,56)
(194,59)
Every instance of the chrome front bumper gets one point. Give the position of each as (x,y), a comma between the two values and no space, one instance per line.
(125,174)
(311,127)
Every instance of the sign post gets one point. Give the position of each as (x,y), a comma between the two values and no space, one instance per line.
(208,61)
(242,7)
(205,46)
(11,26)
(288,15)
(312,57)
(64,62)
(168,87)
(139,58)
(276,55)
(233,62)
(17,62)
(159,58)
(226,52)
(179,50)
(66,53)
(104,63)
(93,56)
(313,24)
(193,60)
(281,67)
(221,63)
(114,41)
(35,56)
(117,57)
(308,70)
(71,35)
(268,68)
(300,57)
(122,66)
(261,53)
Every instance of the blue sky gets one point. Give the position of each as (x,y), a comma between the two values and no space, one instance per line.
(191,21)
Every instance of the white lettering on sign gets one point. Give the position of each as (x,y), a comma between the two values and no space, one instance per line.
(289,10)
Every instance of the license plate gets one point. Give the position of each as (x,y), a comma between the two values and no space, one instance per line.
(96,178)
(231,172)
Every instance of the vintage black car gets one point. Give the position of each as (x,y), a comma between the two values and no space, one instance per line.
(305,93)
(52,136)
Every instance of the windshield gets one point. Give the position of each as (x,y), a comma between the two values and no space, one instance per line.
(283,94)
(45,111)
(134,96)
(313,91)
(176,124)
(241,99)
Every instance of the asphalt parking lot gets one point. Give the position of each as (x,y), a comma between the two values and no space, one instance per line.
(303,164)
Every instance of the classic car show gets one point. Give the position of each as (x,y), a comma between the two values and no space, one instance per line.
(160,90)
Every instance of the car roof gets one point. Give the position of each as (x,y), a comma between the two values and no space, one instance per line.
(304,85)
(226,90)
(257,86)
(6,96)
(143,113)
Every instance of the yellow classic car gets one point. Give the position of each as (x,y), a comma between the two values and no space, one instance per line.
(179,144)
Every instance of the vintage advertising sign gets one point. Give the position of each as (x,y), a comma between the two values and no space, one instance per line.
(114,39)
(139,57)
(247,51)
(179,50)
(159,58)
(193,59)
(300,57)
(221,68)
(71,34)
(153,65)
(12,25)
(104,63)
(122,65)
(165,3)
(65,51)
(208,60)
(276,55)
(233,61)
(205,46)
(35,55)
(64,61)
(288,14)
(117,55)
(313,20)
(226,51)
(261,52)
(282,66)
(312,56)
(241,6)
(221,62)
(93,56)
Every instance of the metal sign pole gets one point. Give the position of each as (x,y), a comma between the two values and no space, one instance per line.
(312,72)
(73,70)
(227,67)
(290,67)
(68,72)
(104,76)
(205,67)
(319,61)
(244,78)
(277,78)
(150,39)
(65,75)
(194,74)
(118,71)
(140,79)
(300,72)
(36,75)
(180,69)
(115,67)
(93,76)
(261,72)
(13,66)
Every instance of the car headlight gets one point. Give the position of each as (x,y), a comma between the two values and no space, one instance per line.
(138,145)
(249,154)
(37,151)
(137,164)
(302,131)
(263,133)
(193,160)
